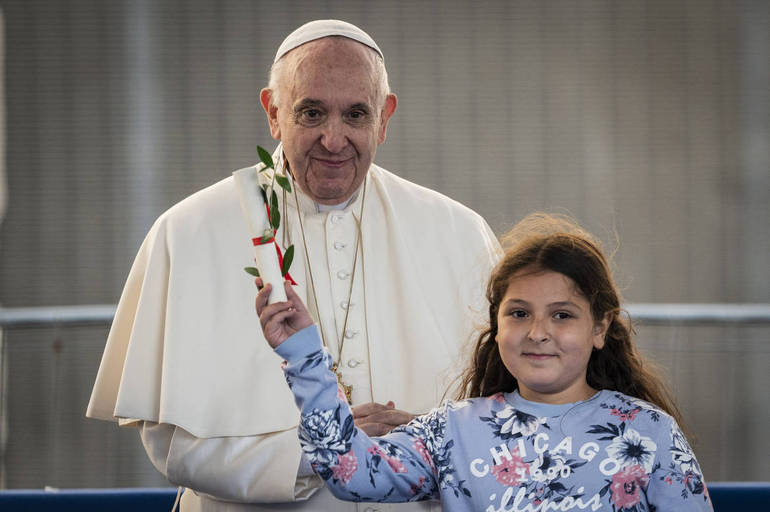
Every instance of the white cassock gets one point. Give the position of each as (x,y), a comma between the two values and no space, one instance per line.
(186,362)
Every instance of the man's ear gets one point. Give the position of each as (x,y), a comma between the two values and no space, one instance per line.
(271,109)
(391,102)
(600,331)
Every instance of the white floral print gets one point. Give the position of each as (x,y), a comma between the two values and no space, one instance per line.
(632,448)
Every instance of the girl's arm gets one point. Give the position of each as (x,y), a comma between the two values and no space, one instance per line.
(677,481)
(396,467)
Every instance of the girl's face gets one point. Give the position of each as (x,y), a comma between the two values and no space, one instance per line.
(546,333)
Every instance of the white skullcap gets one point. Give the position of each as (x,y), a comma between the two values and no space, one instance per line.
(324,28)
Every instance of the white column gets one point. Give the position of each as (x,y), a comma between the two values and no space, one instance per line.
(144,133)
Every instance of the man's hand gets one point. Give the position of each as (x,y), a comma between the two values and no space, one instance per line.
(378,419)
(282,319)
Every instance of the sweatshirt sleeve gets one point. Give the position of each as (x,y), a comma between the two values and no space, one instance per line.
(677,481)
(396,467)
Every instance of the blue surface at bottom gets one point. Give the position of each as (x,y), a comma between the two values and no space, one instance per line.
(84,500)
(726,497)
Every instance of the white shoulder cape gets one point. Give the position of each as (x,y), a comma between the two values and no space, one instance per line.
(186,348)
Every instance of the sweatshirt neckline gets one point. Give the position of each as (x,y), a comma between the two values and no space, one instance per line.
(544,410)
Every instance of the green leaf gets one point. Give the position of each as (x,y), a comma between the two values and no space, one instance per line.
(283,181)
(263,191)
(266,236)
(265,156)
(287,259)
(275,216)
(252,270)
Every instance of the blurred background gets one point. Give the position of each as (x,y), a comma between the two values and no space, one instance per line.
(649,121)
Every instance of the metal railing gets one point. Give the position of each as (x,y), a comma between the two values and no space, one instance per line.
(645,313)
(56,315)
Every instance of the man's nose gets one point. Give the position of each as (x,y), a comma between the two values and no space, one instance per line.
(334,135)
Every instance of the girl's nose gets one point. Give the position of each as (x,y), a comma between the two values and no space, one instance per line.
(538,331)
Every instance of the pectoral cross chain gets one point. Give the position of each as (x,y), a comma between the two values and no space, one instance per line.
(347,389)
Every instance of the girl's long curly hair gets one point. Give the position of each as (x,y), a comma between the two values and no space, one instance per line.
(544,242)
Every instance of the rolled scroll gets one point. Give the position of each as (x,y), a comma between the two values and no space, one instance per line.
(253,208)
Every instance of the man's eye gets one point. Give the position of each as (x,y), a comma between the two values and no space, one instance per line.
(357,115)
(309,116)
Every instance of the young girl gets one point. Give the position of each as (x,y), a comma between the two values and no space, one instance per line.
(558,410)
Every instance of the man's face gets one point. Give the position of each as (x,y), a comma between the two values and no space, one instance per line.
(330,116)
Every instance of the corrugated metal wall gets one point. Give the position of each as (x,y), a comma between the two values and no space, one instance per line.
(645,119)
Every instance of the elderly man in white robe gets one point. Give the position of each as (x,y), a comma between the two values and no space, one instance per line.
(394,274)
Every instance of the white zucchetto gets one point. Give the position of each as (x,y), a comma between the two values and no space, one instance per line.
(324,28)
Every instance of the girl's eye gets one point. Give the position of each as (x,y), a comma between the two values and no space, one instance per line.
(518,313)
(562,315)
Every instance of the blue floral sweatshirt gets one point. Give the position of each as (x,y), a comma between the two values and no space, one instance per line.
(496,454)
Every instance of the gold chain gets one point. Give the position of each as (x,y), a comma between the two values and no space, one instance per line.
(346,388)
